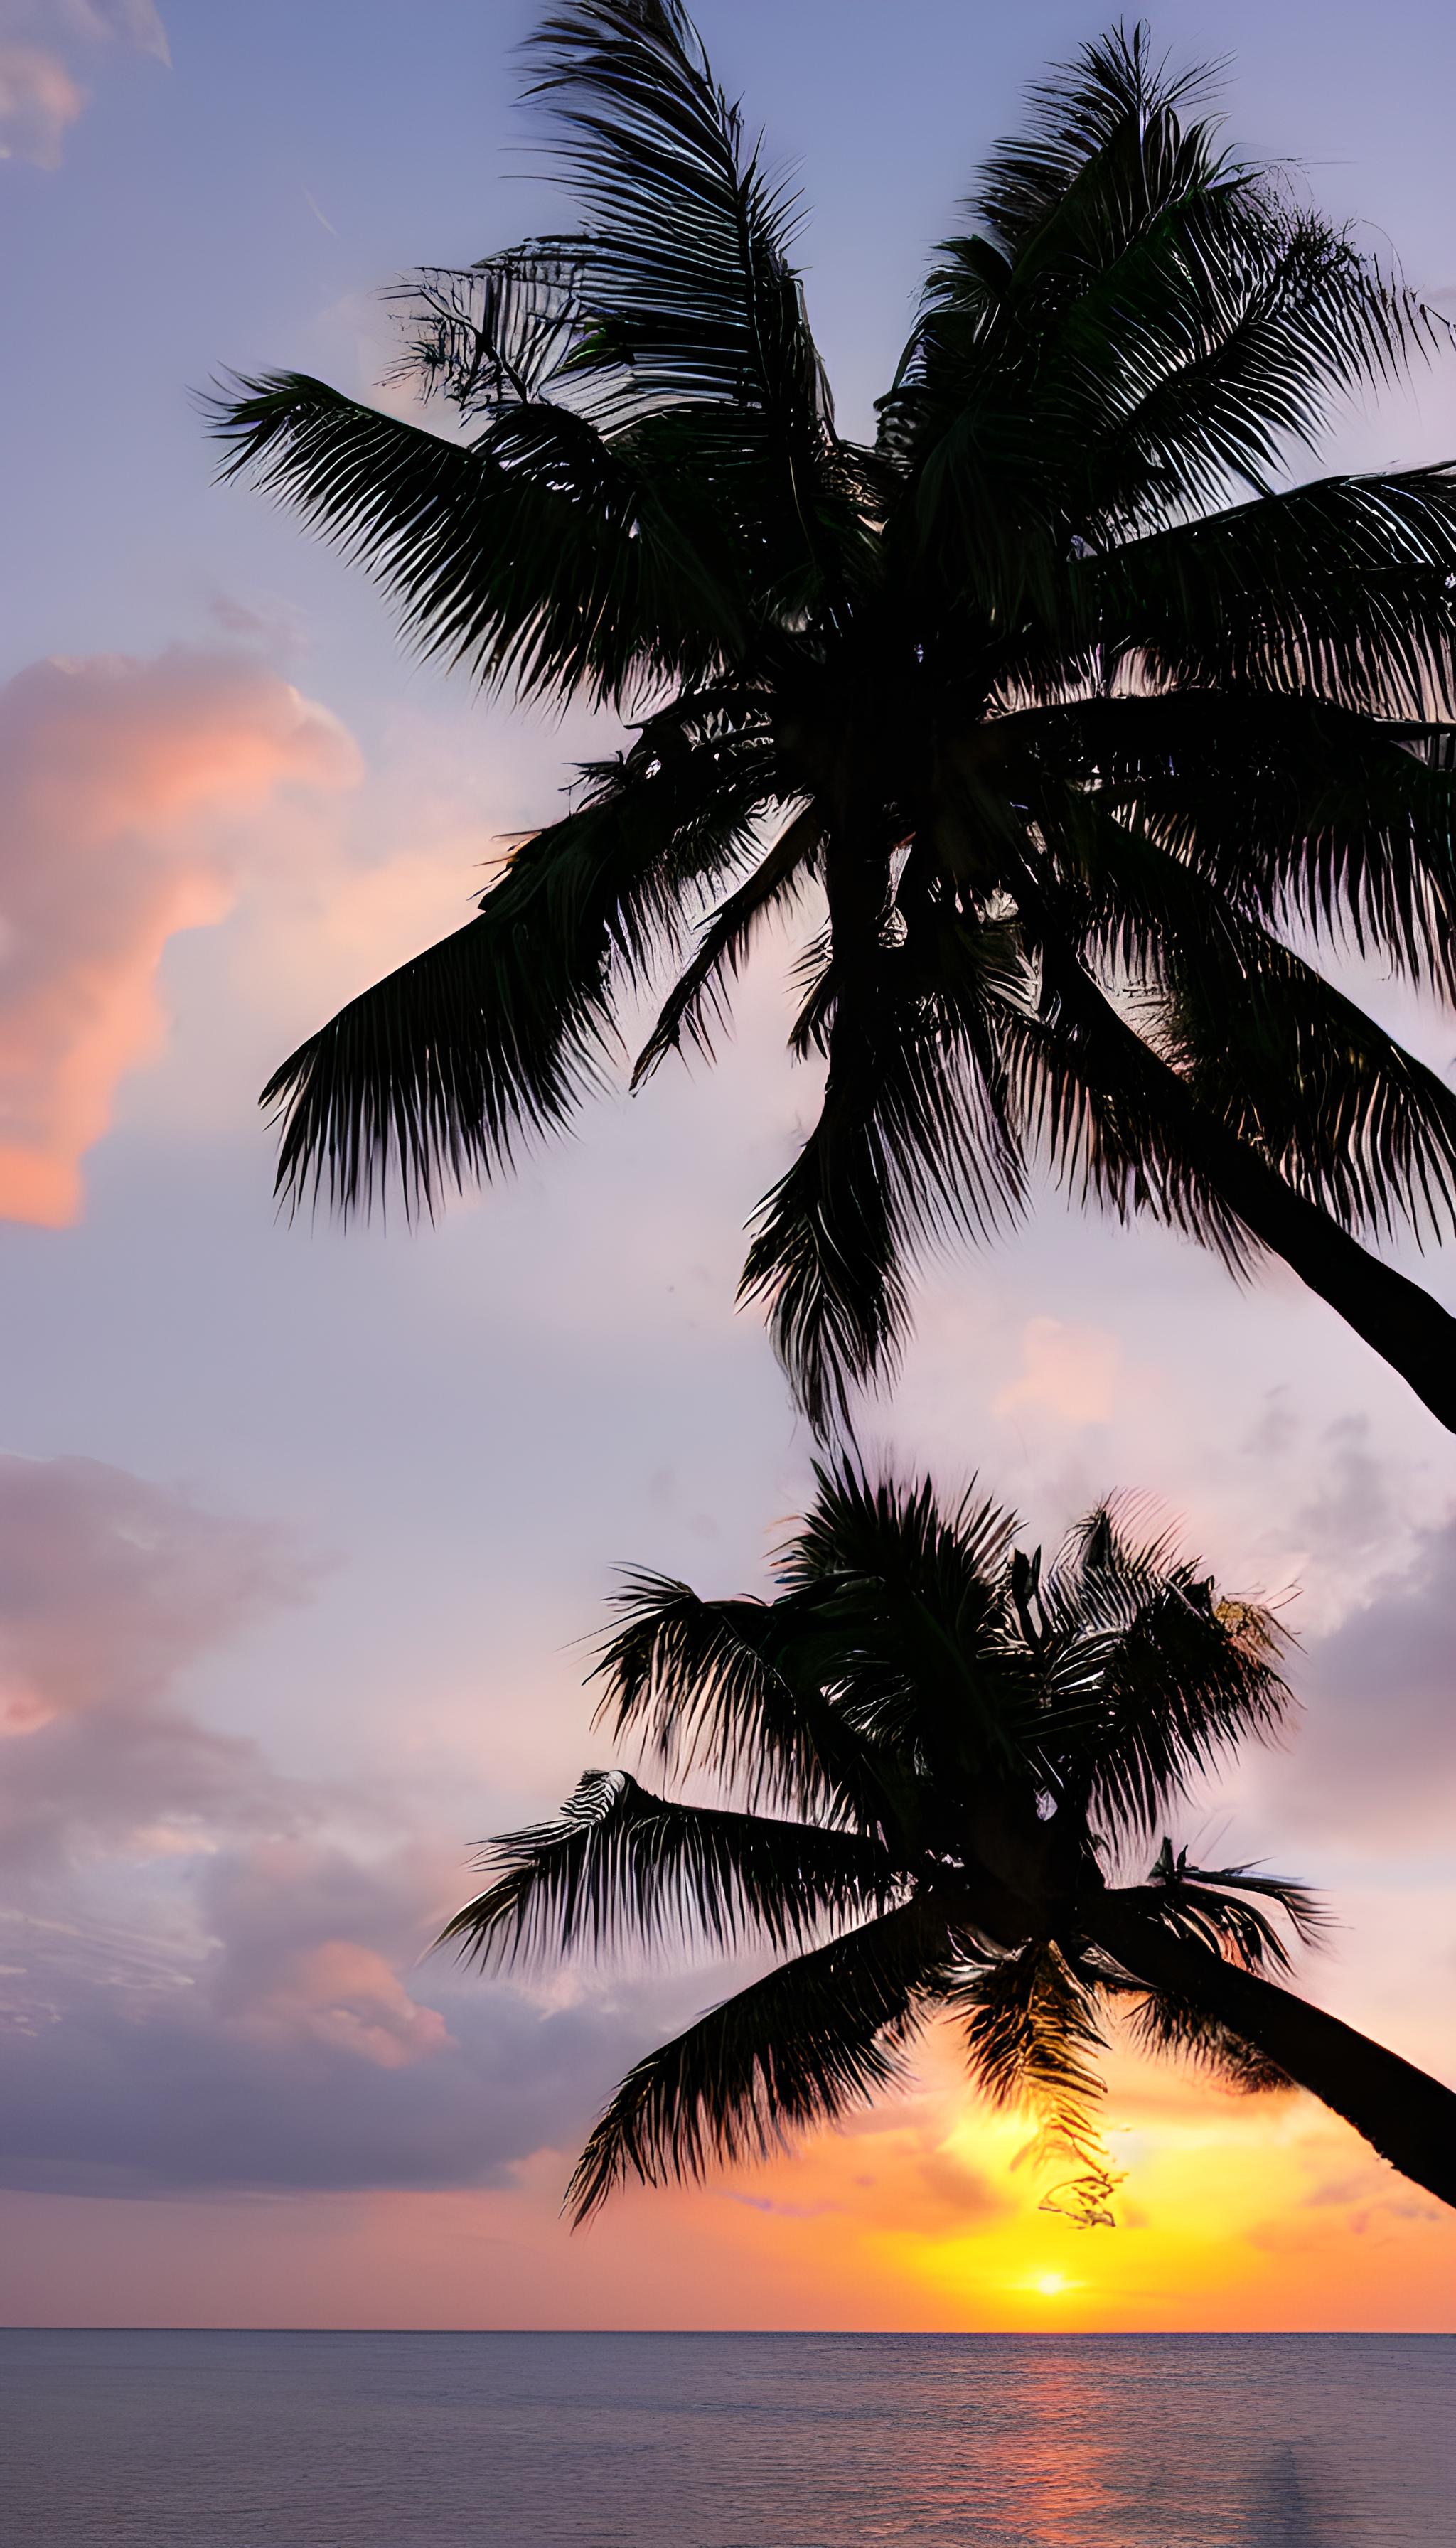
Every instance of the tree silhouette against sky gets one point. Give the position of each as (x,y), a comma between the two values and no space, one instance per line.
(1074,730)
(949,1768)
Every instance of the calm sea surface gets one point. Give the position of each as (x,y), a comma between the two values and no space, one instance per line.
(726,2441)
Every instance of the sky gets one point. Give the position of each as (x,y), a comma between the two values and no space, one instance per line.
(305,1534)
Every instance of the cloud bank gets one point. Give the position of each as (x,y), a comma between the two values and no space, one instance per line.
(296,2050)
(1375,1757)
(111,1588)
(204,1980)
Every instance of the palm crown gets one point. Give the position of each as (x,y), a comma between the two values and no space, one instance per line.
(960,1752)
(1084,731)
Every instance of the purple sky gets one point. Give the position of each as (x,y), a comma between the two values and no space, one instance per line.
(300,1532)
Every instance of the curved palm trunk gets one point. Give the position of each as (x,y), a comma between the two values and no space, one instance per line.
(1410,2118)
(1398,1319)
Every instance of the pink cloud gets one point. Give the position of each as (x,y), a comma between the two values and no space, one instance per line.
(111,1589)
(109,1586)
(1073,1373)
(40,97)
(124,783)
(38,100)
(348,1999)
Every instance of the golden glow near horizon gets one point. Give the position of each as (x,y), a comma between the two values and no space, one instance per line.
(1236,2215)
(1233,2212)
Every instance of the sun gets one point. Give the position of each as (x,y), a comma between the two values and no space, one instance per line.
(1049,2285)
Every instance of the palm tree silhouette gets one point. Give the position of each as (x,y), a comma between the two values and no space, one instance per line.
(1086,730)
(961,1753)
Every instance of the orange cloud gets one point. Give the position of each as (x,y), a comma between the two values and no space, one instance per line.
(120,780)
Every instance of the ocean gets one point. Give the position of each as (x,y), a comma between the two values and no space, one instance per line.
(242,2440)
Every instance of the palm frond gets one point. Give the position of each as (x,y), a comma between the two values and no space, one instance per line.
(537,556)
(1140,323)
(1284,1059)
(1287,810)
(914,1144)
(1118,1111)
(886,1531)
(1114,1122)
(1219,1908)
(1227,343)
(695,1005)
(824,1251)
(733,1688)
(1153,1676)
(1344,588)
(1114,1564)
(620,1866)
(1112,87)
(1178,2029)
(910,1602)
(685,263)
(492,1036)
(494,335)
(1348,1115)
(804,2046)
(1032,2038)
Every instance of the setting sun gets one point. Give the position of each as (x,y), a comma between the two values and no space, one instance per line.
(1048,2285)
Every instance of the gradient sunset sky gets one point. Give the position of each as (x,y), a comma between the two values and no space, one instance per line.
(301,1533)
